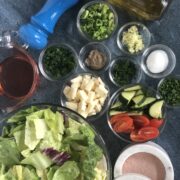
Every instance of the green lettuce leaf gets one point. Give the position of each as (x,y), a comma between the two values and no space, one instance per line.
(9,153)
(68,171)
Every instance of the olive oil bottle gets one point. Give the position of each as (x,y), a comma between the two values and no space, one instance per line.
(144,9)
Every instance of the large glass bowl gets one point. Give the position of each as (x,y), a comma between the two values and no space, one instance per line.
(98,139)
(124,136)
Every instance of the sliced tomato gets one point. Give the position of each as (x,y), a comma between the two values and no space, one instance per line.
(116,118)
(140,121)
(128,131)
(156,122)
(148,132)
(123,124)
(134,136)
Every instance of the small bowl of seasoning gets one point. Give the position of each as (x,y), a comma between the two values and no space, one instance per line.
(124,70)
(146,161)
(57,61)
(95,57)
(169,90)
(97,20)
(133,38)
(158,61)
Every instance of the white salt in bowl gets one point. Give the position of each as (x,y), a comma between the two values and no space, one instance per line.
(169,67)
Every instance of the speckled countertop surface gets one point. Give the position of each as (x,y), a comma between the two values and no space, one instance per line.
(13,13)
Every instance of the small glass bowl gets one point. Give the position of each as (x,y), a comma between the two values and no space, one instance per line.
(114,98)
(137,77)
(161,82)
(63,98)
(171,63)
(43,71)
(84,52)
(144,32)
(85,35)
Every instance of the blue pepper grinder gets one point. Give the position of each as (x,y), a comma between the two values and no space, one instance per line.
(35,34)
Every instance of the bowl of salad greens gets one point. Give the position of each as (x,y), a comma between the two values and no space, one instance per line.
(97,20)
(50,142)
(136,113)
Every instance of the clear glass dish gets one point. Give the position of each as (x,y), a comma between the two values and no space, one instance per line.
(86,36)
(126,136)
(144,32)
(46,74)
(137,77)
(63,98)
(171,63)
(84,52)
(98,139)
(161,82)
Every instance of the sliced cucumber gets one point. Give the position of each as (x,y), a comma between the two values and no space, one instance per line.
(155,110)
(138,99)
(117,104)
(135,113)
(133,88)
(148,100)
(128,95)
(139,92)
(112,113)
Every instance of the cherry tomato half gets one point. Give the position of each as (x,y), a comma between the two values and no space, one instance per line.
(148,132)
(140,121)
(156,122)
(116,118)
(123,124)
(134,136)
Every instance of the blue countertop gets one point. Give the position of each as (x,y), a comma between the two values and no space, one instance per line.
(166,31)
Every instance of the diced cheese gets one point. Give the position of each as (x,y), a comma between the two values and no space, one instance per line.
(72,105)
(75,85)
(83,113)
(91,96)
(73,92)
(82,106)
(102,100)
(98,107)
(91,106)
(66,91)
(84,83)
(101,91)
(89,85)
(78,79)
(82,95)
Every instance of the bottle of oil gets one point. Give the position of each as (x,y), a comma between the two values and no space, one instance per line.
(144,9)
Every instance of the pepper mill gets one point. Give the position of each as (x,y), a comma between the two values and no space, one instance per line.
(35,33)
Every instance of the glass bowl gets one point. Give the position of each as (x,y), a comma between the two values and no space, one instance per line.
(68,113)
(85,35)
(63,98)
(137,77)
(84,52)
(158,89)
(143,31)
(171,63)
(46,74)
(115,97)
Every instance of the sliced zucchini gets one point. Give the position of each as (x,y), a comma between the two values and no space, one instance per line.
(128,95)
(133,88)
(148,100)
(112,113)
(117,104)
(138,100)
(155,109)
(139,92)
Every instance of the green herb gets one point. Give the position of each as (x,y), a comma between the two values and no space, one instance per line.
(124,72)
(58,61)
(170,91)
(98,21)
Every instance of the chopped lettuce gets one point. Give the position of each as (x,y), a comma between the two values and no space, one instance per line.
(9,153)
(19,138)
(68,171)
(37,160)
